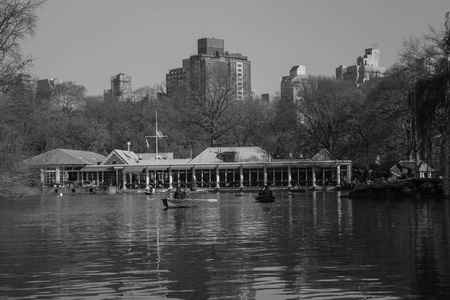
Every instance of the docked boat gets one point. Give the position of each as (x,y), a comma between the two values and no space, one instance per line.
(187,202)
(265,198)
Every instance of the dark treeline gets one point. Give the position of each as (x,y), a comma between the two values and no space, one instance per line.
(401,116)
(357,123)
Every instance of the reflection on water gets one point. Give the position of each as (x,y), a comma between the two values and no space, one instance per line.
(314,245)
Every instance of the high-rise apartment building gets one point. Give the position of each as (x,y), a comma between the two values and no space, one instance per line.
(366,67)
(293,85)
(212,65)
(175,79)
(266,98)
(120,88)
(24,81)
(24,87)
(44,88)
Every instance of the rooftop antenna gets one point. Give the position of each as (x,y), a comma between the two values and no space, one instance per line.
(158,135)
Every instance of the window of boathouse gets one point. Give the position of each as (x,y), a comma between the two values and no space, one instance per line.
(284,176)
(326,175)
(271,176)
(232,177)
(204,180)
(182,177)
(159,176)
(109,177)
(222,173)
(49,177)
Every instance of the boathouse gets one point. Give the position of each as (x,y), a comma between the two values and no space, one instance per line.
(215,167)
(62,167)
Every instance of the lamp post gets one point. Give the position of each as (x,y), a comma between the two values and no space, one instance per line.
(128,144)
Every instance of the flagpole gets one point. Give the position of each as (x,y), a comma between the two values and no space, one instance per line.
(156,134)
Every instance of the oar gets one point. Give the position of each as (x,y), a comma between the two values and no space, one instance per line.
(206,200)
(192,199)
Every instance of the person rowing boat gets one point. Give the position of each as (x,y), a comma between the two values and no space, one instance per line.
(265,191)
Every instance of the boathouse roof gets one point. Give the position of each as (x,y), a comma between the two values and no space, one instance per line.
(121,157)
(211,157)
(66,157)
(323,154)
(231,154)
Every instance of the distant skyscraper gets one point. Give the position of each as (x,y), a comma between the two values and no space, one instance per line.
(25,81)
(120,88)
(212,63)
(175,80)
(44,88)
(266,98)
(293,85)
(24,88)
(366,67)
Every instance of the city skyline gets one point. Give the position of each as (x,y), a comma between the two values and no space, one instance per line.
(87,42)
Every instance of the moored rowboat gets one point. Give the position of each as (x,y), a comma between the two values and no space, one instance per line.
(187,202)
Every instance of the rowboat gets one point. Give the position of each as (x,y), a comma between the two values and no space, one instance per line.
(187,202)
(265,198)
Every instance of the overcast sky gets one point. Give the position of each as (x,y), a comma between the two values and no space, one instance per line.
(88,41)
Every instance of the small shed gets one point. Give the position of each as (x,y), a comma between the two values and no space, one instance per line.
(413,169)
(390,170)
(393,170)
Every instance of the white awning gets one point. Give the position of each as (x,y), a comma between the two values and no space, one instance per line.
(96,168)
(134,169)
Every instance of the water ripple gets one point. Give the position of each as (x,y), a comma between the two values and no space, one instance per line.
(310,246)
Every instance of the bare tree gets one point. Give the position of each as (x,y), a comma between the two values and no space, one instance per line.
(251,116)
(212,98)
(68,96)
(323,114)
(149,92)
(17,21)
(280,128)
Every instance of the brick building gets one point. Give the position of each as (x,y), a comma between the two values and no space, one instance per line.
(211,65)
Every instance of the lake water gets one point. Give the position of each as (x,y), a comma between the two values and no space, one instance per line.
(315,245)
